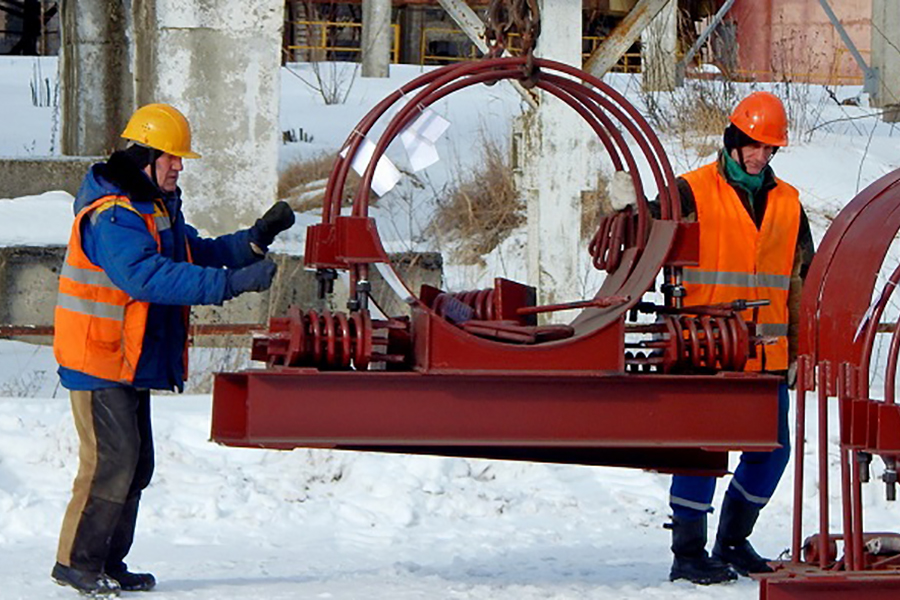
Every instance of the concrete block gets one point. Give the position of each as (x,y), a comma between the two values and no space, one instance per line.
(29,283)
(32,176)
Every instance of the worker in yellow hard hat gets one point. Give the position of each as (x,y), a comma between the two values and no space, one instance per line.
(132,271)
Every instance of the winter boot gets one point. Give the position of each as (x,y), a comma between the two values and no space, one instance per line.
(732,546)
(88,583)
(132,582)
(691,560)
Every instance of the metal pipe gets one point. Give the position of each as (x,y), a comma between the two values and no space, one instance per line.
(799,447)
(824,367)
(847,512)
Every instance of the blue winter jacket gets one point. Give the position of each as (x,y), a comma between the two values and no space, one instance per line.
(119,242)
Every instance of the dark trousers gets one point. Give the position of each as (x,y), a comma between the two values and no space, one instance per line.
(115,464)
(754,481)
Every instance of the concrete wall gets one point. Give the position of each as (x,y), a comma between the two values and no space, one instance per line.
(31,176)
(218,62)
(795,38)
(95,76)
(29,280)
(886,55)
(558,164)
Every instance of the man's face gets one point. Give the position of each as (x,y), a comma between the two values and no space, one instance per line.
(168,166)
(756,156)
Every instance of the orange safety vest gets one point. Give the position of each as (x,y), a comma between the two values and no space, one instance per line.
(99,329)
(740,261)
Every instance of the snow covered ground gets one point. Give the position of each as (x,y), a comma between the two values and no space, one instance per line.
(231,523)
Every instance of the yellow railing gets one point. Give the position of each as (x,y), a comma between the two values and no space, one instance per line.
(452,37)
(457,39)
(330,37)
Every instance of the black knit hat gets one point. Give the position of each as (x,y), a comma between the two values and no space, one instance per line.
(735,138)
(141,156)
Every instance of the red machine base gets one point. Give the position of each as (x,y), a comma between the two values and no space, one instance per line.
(666,423)
(870,585)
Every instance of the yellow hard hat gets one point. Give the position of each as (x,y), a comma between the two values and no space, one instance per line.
(162,127)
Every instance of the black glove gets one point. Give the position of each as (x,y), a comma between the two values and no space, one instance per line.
(278,218)
(255,278)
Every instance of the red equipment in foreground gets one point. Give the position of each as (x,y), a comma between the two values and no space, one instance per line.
(472,373)
(838,329)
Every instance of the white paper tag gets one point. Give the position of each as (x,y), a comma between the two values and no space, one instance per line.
(419,139)
(386,175)
(429,125)
(422,153)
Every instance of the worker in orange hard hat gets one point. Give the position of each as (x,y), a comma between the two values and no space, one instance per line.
(755,244)
(132,271)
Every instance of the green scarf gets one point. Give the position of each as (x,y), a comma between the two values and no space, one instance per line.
(738,176)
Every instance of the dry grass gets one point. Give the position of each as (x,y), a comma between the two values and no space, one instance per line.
(302,184)
(483,206)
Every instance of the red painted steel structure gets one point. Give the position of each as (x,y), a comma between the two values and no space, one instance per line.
(839,324)
(472,373)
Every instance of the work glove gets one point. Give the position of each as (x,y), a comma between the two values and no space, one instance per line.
(620,191)
(278,218)
(254,278)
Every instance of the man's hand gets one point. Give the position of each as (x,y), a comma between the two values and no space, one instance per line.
(620,190)
(277,219)
(255,278)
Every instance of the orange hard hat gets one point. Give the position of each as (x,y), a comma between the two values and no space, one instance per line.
(761,116)
(162,127)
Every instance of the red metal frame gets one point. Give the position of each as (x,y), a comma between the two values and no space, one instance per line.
(472,373)
(837,336)
(498,384)
(490,413)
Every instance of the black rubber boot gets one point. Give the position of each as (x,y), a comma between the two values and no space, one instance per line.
(133,582)
(691,561)
(88,583)
(732,546)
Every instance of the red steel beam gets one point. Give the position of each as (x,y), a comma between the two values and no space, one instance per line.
(290,408)
(832,586)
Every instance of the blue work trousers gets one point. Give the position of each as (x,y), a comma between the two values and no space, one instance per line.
(754,480)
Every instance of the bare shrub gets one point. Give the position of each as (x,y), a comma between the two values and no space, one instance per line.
(695,114)
(302,183)
(483,206)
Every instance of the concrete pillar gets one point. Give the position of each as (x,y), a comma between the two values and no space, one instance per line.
(412,24)
(376,38)
(95,74)
(659,41)
(219,64)
(557,165)
(886,55)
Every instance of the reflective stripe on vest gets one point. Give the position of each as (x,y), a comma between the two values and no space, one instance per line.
(766,280)
(99,328)
(740,261)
